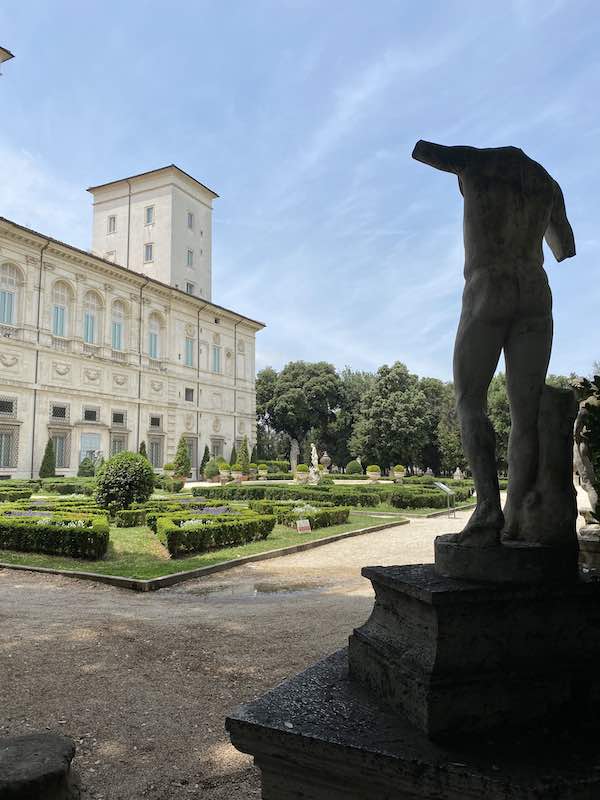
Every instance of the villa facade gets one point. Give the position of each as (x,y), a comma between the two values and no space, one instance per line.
(102,350)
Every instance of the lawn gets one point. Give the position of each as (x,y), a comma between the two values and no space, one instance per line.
(137,553)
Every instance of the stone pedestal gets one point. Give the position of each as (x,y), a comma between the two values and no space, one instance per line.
(589,546)
(321,736)
(457,656)
(37,767)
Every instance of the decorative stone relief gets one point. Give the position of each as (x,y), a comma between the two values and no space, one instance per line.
(189,329)
(91,376)
(216,426)
(60,368)
(189,422)
(8,360)
(156,386)
(119,379)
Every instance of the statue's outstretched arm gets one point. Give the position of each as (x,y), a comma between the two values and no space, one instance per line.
(559,234)
(449,159)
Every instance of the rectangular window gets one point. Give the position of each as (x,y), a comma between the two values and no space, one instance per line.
(189,351)
(190,258)
(149,215)
(89,328)
(8,408)
(153,345)
(117,445)
(7,449)
(112,224)
(189,288)
(155,453)
(155,422)
(216,358)
(117,336)
(89,446)
(189,395)
(216,448)
(148,253)
(90,414)
(59,412)
(60,450)
(7,307)
(190,220)
(58,321)
(118,418)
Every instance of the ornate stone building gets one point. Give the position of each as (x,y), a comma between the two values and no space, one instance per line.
(101,351)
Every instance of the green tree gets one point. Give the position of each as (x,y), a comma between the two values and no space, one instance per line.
(234,456)
(244,456)
(124,479)
(48,465)
(304,396)
(354,386)
(436,395)
(143,451)
(205,459)
(182,463)
(86,468)
(392,428)
(499,414)
(448,435)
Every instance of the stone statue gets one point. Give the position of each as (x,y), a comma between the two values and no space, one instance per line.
(294,455)
(583,462)
(510,204)
(458,475)
(313,470)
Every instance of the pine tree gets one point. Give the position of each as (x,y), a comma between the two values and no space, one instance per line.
(182,461)
(205,459)
(143,450)
(244,457)
(48,465)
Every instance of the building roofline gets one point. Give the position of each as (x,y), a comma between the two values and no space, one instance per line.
(114,265)
(152,172)
(5,55)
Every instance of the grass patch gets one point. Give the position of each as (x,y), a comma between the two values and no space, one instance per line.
(137,553)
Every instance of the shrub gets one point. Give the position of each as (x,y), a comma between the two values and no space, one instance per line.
(233,458)
(236,467)
(302,468)
(67,486)
(211,534)
(205,459)
(130,518)
(244,456)
(169,466)
(399,468)
(253,467)
(318,517)
(183,463)
(124,479)
(86,468)
(211,470)
(353,468)
(336,495)
(263,467)
(80,537)
(373,468)
(48,465)
(10,495)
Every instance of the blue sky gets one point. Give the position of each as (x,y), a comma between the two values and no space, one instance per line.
(302,115)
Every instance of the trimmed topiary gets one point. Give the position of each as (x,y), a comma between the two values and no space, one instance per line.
(211,469)
(124,479)
(244,456)
(182,464)
(236,467)
(205,459)
(86,468)
(302,468)
(353,468)
(373,468)
(48,465)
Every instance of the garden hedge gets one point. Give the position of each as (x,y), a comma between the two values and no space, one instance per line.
(211,534)
(10,495)
(130,518)
(65,535)
(67,486)
(333,495)
(318,518)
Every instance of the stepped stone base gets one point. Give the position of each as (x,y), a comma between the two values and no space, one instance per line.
(457,656)
(589,546)
(37,767)
(321,736)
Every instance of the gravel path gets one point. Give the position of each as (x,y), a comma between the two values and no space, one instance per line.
(143,682)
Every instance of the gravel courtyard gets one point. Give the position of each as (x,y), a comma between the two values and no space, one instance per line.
(143,683)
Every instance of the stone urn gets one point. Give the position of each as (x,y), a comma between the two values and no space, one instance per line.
(224,475)
(237,474)
(325,460)
(262,474)
(373,473)
(302,477)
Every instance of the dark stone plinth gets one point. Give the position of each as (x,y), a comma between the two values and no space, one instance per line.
(37,767)
(589,546)
(457,656)
(510,562)
(320,736)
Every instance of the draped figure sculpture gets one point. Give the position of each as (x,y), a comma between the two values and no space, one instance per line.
(510,205)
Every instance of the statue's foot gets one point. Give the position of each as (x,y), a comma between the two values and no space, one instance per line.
(483,529)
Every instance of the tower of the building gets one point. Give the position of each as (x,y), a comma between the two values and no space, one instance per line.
(158,223)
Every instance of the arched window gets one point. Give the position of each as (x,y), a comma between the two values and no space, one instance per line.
(154,336)
(118,326)
(9,282)
(92,318)
(61,305)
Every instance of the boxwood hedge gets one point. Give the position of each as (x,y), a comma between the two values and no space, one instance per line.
(333,495)
(211,534)
(76,536)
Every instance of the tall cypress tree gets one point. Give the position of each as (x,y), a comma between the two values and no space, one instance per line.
(48,465)
(182,462)
(244,457)
(205,459)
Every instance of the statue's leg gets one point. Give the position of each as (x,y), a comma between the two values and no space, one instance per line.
(527,354)
(476,353)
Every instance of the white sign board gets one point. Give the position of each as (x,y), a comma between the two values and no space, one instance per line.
(443,487)
(303,526)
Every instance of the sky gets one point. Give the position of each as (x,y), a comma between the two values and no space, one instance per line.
(302,115)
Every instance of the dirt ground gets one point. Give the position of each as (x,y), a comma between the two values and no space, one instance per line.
(143,683)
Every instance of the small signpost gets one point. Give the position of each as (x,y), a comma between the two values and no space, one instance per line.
(303,526)
(449,497)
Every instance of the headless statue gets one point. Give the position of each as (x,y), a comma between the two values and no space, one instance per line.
(510,204)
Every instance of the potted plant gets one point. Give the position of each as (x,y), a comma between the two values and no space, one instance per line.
(373,472)
(211,470)
(169,469)
(263,471)
(302,473)
(399,473)
(253,470)
(236,472)
(223,470)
